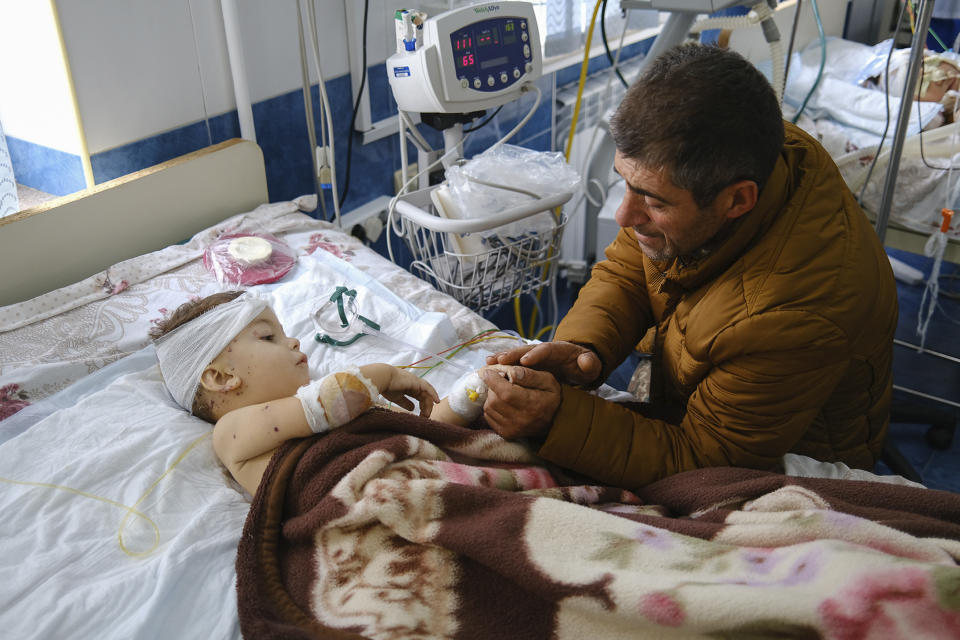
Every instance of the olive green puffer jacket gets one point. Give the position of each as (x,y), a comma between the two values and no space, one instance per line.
(778,340)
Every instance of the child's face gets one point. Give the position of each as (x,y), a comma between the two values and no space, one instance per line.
(269,363)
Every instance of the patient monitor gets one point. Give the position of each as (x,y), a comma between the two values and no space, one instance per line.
(465,59)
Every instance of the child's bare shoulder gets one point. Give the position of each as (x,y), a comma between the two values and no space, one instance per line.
(272,421)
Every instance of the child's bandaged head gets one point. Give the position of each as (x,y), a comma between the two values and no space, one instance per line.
(187,350)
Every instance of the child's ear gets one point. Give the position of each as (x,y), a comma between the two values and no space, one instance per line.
(216,379)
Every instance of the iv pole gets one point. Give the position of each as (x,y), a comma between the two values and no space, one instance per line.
(883,213)
(909,88)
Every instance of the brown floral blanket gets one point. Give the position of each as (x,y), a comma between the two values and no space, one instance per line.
(399,527)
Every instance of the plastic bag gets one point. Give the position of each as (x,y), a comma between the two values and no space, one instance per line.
(541,172)
(249,258)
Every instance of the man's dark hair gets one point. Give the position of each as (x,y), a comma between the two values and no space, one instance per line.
(704,114)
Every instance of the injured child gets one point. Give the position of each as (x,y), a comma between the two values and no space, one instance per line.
(226,359)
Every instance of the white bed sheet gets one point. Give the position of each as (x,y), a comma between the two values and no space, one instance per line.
(66,574)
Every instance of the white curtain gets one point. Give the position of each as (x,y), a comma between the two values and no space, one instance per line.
(9,203)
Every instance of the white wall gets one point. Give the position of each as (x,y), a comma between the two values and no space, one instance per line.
(751,44)
(35,101)
(137,65)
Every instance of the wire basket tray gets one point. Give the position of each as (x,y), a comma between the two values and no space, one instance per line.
(487,279)
(481,270)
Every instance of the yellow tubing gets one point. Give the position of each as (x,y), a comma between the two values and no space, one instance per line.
(566,156)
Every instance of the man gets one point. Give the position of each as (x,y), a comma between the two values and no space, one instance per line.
(748,271)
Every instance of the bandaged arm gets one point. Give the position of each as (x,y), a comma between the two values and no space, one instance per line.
(249,433)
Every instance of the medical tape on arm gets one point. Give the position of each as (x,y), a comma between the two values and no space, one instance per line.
(187,350)
(467,396)
(336,399)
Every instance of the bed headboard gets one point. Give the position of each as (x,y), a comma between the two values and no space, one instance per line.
(70,238)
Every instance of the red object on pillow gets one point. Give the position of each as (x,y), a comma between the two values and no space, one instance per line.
(228,268)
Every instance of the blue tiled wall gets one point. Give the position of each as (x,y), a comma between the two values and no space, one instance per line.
(45,169)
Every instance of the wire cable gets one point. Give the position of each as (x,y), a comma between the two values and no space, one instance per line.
(356,106)
(573,129)
(956,105)
(913,26)
(415,134)
(203,93)
(485,122)
(823,60)
(606,45)
(326,119)
(308,109)
(391,224)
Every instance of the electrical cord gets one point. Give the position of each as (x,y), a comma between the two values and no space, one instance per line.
(326,121)
(391,222)
(356,106)
(203,94)
(569,146)
(583,78)
(913,27)
(308,109)
(485,122)
(606,45)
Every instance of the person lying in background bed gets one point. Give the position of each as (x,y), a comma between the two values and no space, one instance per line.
(226,359)
(748,271)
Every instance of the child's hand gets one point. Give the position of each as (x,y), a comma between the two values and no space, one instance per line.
(398,386)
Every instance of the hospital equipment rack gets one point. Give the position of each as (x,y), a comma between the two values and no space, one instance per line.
(470,260)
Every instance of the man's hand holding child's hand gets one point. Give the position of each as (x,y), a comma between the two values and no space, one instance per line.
(524,384)
(569,362)
(521,402)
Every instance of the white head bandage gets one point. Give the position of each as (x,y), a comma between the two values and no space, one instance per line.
(187,350)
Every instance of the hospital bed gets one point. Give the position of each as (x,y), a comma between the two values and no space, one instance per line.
(119,522)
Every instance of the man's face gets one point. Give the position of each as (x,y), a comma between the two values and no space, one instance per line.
(270,364)
(663,218)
